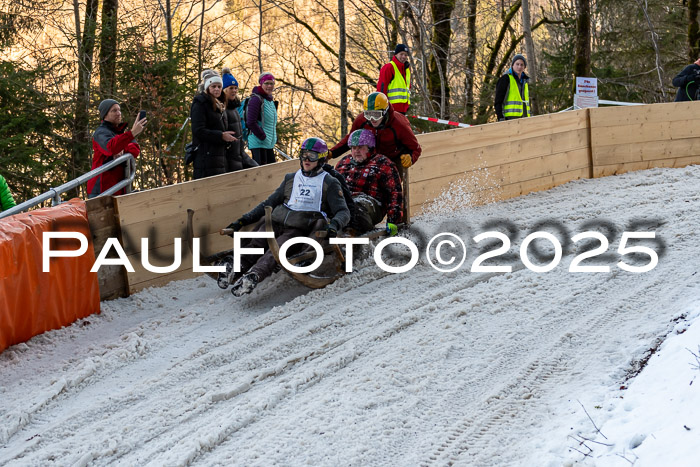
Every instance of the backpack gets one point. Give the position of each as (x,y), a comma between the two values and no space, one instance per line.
(243,112)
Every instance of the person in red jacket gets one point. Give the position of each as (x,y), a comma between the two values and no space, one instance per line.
(393,133)
(397,85)
(109,141)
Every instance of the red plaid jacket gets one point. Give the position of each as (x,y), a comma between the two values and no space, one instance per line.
(378,178)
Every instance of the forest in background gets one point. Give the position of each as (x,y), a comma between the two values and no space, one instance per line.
(60,58)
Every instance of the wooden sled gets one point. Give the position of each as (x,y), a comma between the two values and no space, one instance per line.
(312,280)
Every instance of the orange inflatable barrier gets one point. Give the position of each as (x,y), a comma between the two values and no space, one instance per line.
(33,301)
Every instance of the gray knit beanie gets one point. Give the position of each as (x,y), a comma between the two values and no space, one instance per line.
(104,107)
(518,57)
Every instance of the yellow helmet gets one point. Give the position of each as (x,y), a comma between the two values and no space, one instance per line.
(376,107)
(376,101)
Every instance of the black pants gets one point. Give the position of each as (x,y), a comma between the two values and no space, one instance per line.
(368,213)
(263,156)
(265,265)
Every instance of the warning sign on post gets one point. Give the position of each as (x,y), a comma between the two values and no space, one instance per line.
(586,92)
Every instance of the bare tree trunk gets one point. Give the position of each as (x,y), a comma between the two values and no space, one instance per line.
(491,72)
(200,65)
(582,59)
(343,71)
(169,28)
(531,59)
(260,34)
(108,48)
(420,34)
(693,30)
(389,21)
(76,13)
(80,157)
(655,40)
(438,86)
(470,64)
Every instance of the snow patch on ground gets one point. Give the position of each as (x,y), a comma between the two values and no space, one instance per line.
(421,368)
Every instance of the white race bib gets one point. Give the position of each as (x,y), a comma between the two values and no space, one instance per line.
(307,193)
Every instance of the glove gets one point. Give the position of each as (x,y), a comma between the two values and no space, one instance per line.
(391,229)
(406,160)
(331,232)
(236,226)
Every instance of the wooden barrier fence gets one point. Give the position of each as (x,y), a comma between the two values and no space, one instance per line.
(489,162)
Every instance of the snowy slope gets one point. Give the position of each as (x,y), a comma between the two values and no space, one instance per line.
(421,368)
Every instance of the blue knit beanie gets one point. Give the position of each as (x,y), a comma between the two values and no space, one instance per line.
(228,78)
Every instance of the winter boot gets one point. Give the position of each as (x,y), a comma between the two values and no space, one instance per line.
(245,284)
(223,280)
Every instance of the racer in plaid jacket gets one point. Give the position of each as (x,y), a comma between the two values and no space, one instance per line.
(374,182)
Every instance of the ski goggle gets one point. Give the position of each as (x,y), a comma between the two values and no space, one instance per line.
(309,156)
(374,115)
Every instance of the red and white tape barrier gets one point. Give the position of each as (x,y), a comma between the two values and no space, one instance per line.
(444,122)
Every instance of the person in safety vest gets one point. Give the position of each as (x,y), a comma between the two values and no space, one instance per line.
(374,182)
(392,132)
(304,198)
(395,80)
(512,94)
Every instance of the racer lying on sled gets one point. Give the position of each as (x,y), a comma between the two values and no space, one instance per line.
(374,183)
(302,200)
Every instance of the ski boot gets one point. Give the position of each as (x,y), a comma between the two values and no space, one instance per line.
(245,284)
(224,278)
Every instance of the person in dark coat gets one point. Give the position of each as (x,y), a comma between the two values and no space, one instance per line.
(688,82)
(236,157)
(306,198)
(512,91)
(209,128)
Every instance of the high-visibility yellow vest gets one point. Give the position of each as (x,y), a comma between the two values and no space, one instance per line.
(398,91)
(513,106)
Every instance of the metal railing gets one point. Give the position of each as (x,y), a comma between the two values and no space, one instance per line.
(54,194)
(282,154)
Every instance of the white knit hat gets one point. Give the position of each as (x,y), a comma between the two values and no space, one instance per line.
(211,80)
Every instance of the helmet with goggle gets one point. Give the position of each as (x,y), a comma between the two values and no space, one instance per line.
(312,150)
(376,106)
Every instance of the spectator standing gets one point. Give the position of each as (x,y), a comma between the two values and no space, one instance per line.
(110,140)
(688,82)
(236,157)
(395,80)
(209,128)
(512,92)
(261,119)
(6,199)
